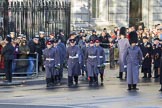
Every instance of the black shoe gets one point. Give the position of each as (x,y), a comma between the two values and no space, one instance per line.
(70,85)
(49,85)
(129,87)
(82,74)
(76,83)
(144,77)
(102,84)
(135,87)
(160,90)
(149,76)
(120,75)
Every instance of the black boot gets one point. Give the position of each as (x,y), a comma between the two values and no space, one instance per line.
(96,81)
(149,75)
(120,75)
(129,87)
(43,69)
(90,81)
(76,80)
(48,82)
(101,76)
(145,75)
(156,73)
(160,89)
(59,80)
(125,75)
(70,81)
(135,87)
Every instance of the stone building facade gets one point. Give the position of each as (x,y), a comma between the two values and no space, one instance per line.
(109,13)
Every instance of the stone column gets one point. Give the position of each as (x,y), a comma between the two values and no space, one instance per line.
(145,12)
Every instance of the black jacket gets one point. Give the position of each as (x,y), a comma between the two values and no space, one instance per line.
(32,47)
(8,52)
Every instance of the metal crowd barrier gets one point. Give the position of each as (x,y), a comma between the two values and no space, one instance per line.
(24,67)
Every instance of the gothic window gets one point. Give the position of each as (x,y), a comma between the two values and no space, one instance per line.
(95,8)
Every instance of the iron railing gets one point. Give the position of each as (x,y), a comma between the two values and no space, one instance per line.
(31,16)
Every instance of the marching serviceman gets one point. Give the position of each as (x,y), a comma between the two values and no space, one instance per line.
(57,72)
(84,50)
(146,49)
(102,60)
(73,61)
(51,60)
(62,46)
(157,47)
(132,60)
(92,59)
(82,45)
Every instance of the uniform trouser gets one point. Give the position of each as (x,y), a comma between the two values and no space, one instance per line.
(70,80)
(93,79)
(61,71)
(156,72)
(96,79)
(101,74)
(49,74)
(58,78)
(145,74)
(8,70)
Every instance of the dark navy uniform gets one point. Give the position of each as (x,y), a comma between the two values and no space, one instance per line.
(84,50)
(146,49)
(82,45)
(102,61)
(92,58)
(51,60)
(73,61)
(62,48)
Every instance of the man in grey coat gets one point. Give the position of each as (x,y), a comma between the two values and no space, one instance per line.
(123,44)
(132,61)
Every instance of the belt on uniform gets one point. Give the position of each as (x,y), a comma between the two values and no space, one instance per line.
(49,59)
(92,57)
(100,56)
(73,57)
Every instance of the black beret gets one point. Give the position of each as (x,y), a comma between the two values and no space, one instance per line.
(71,40)
(145,37)
(156,39)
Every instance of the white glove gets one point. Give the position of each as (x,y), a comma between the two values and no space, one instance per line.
(125,66)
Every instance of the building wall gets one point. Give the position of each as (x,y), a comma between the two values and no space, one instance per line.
(156,6)
(111,13)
